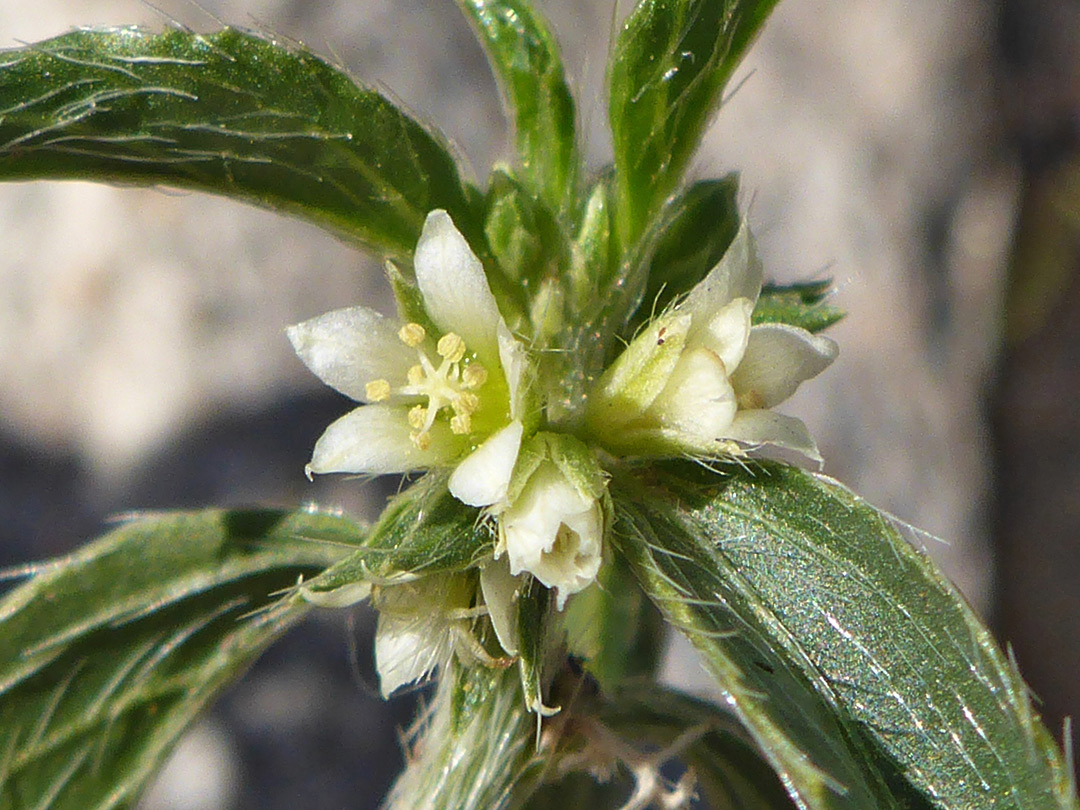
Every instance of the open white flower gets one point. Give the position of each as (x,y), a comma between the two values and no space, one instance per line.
(701,380)
(434,392)
(553,527)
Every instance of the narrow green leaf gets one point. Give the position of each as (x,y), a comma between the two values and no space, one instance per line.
(591,266)
(525,59)
(530,252)
(232,114)
(798,305)
(513,229)
(579,349)
(534,622)
(839,644)
(107,655)
(423,530)
(669,68)
(474,749)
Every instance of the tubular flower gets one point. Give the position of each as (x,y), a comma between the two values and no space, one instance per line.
(553,527)
(442,392)
(700,379)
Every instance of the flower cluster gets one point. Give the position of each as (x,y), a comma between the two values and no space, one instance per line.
(701,380)
(450,386)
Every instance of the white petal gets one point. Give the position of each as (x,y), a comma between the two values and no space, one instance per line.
(375,439)
(778,359)
(737,275)
(531,523)
(698,404)
(728,332)
(572,564)
(408,646)
(769,427)
(512,360)
(554,532)
(348,348)
(454,287)
(500,595)
(484,476)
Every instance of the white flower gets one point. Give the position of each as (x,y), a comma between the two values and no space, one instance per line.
(421,624)
(700,380)
(436,392)
(553,527)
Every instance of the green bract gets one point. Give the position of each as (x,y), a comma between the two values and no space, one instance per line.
(582,370)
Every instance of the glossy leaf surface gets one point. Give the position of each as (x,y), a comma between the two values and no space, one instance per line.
(233,114)
(670,64)
(525,59)
(858,670)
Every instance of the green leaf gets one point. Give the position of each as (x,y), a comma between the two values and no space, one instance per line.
(669,68)
(232,114)
(107,655)
(423,530)
(529,250)
(591,266)
(701,224)
(798,305)
(474,749)
(847,656)
(614,627)
(526,62)
(534,622)
(513,230)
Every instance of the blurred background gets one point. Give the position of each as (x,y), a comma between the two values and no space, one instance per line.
(925,156)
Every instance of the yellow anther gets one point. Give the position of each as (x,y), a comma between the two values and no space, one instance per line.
(377,390)
(466,403)
(474,375)
(422,440)
(412,334)
(460,424)
(451,347)
(416,374)
(417,417)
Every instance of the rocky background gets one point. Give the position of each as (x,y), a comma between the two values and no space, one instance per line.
(906,148)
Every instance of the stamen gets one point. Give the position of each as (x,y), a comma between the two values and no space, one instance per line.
(377,390)
(474,375)
(417,417)
(412,334)
(445,387)
(466,403)
(451,347)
